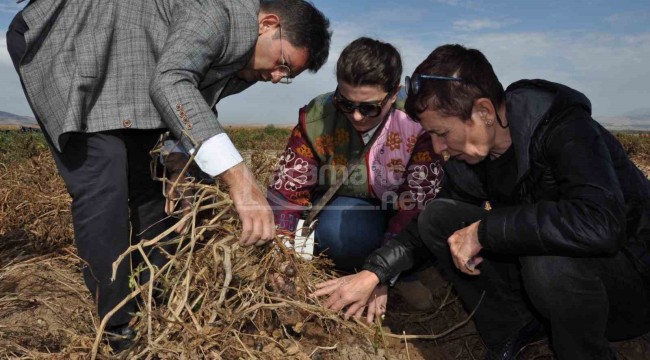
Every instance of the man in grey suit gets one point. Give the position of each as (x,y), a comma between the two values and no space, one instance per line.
(106,77)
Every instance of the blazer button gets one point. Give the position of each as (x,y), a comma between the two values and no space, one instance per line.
(127,123)
(188,126)
(179,106)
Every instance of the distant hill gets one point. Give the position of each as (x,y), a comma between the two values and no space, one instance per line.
(13,119)
(633,121)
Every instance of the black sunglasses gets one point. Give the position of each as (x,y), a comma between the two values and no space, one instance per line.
(413,83)
(368,109)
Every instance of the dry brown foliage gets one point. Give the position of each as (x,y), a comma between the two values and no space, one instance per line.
(213,299)
(34,208)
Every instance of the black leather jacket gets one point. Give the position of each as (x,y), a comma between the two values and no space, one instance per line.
(580,194)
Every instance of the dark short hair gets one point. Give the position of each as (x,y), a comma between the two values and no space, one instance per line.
(455,98)
(303,26)
(367,61)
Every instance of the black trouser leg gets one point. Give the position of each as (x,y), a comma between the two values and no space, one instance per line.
(146,199)
(588,301)
(116,203)
(94,168)
(502,311)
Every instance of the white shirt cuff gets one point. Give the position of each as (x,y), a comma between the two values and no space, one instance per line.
(216,155)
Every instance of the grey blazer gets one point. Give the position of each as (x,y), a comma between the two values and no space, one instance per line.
(97,65)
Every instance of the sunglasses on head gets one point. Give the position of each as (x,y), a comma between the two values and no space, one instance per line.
(413,83)
(367,109)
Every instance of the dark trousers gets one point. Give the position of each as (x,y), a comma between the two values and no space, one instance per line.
(115,201)
(586,301)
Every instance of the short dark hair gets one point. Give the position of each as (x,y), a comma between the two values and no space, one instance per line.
(303,26)
(367,61)
(454,98)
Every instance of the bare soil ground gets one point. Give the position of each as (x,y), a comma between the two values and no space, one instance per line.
(46,311)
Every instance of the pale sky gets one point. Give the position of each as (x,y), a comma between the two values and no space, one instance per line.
(599,47)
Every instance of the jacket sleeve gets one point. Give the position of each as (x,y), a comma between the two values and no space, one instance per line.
(587,218)
(290,191)
(399,254)
(422,181)
(202,34)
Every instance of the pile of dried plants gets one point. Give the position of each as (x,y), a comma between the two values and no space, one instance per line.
(216,299)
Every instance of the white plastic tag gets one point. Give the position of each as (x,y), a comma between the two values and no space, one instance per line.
(303,245)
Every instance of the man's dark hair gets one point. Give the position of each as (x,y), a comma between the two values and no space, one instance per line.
(367,61)
(303,26)
(454,98)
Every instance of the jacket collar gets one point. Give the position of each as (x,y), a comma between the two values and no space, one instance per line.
(530,104)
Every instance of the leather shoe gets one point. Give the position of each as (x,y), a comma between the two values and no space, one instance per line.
(530,333)
(120,337)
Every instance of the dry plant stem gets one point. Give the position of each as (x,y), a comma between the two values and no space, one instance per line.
(186,290)
(150,295)
(227,267)
(193,317)
(136,247)
(130,297)
(185,168)
(469,351)
(406,345)
(323,348)
(242,344)
(459,353)
(188,275)
(153,277)
(433,336)
(164,234)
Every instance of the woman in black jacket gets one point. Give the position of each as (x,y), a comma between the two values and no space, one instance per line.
(570,217)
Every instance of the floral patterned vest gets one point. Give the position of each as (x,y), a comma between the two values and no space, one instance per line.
(336,143)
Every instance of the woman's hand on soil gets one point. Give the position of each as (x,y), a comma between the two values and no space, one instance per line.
(352,291)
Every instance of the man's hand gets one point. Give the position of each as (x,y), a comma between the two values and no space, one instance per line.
(464,248)
(352,291)
(256,216)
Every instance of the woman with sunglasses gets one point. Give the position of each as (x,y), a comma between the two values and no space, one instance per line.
(570,217)
(397,175)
